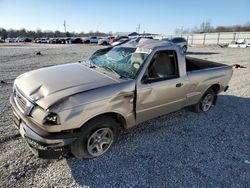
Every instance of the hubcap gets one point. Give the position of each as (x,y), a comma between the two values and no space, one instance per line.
(207,102)
(100,141)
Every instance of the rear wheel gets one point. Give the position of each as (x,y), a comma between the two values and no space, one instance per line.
(97,137)
(206,102)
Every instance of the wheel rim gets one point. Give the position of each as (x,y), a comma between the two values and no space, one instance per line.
(100,141)
(207,102)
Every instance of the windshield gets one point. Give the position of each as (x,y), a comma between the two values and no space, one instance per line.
(120,60)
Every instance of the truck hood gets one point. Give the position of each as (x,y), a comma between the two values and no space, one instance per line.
(47,85)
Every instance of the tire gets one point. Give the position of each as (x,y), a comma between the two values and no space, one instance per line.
(105,43)
(87,42)
(206,102)
(97,137)
(184,48)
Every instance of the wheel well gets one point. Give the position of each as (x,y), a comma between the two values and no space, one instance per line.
(215,88)
(117,117)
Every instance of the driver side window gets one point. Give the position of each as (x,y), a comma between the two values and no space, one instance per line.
(163,66)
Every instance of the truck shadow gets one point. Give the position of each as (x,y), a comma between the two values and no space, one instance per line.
(178,149)
(201,53)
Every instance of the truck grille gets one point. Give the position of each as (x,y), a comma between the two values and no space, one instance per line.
(22,103)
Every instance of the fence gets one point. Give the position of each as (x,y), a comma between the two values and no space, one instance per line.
(211,38)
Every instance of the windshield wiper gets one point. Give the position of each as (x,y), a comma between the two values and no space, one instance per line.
(88,64)
(111,70)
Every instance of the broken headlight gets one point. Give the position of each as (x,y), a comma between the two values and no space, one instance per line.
(51,119)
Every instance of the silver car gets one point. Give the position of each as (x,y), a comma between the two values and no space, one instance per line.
(180,41)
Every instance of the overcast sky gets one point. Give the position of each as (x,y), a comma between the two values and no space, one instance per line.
(156,16)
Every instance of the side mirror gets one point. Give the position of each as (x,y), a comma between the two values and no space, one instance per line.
(145,79)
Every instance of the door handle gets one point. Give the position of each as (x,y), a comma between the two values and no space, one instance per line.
(179,84)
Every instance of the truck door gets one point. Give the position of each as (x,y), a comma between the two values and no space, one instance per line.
(162,90)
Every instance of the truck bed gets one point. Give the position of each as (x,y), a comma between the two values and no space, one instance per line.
(193,64)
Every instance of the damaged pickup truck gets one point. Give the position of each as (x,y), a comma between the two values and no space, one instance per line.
(83,106)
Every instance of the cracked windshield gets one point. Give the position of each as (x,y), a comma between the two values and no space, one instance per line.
(124,62)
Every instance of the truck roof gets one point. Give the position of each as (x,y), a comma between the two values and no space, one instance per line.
(146,44)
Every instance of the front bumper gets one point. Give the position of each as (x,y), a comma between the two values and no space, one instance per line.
(41,142)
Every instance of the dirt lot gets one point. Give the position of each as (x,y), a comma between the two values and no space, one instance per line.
(181,149)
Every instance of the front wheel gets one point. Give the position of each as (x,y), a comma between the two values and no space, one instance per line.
(206,102)
(97,137)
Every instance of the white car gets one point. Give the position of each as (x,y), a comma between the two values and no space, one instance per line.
(91,40)
(105,40)
(42,40)
(10,40)
(180,41)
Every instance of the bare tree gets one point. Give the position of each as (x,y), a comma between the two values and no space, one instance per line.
(177,31)
(206,27)
(3,33)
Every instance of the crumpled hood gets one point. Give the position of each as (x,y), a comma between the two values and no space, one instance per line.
(45,86)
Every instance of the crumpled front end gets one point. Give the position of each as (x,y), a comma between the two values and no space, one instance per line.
(41,142)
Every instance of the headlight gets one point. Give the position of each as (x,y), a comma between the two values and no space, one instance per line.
(51,119)
(43,117)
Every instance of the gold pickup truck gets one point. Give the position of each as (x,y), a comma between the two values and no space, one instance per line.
(83,106)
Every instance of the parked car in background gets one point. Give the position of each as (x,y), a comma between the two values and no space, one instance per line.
(54,41)
(105,40)
(2,41)
(10,40)
(42,40)
(65,40)
(36,40)
(76,40)
(117,38)
(91,40)
(17,39)
(25,39)
(180,41)
(239,43)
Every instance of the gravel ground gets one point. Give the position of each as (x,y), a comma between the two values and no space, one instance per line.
(182,149)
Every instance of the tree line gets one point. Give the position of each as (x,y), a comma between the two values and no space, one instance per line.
(206,27)
(13,33)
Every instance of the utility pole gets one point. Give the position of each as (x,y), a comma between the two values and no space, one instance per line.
(181,30)
(139,27)
(65,26)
